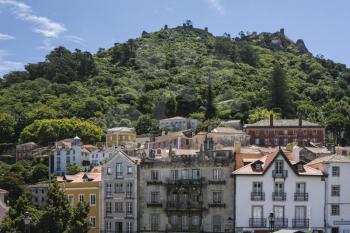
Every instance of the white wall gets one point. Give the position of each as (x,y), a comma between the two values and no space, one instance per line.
(314,187)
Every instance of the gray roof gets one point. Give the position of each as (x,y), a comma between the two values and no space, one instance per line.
(283,123)
(335,158)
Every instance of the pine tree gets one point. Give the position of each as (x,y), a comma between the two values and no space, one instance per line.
(210,111)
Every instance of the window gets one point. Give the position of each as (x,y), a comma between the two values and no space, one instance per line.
(129,227)
(129,189)
(196,175)
(279,166)
(217,197)
(118,187)
(276,141)
(286,141)
(108,226)
(217,223)
(173,220)
(195,220)
(92,199)
(68,160)
(129,207)
(184,174)
(266,141)
(335,210)
(119,171)
(109,171)
(118,207)
(279,187)
(257,141)
(257,187)
(257,212)
(174,175)
(154,175)
(108,207)
(335,190)
(81,197)
(184,223)
(155,197)
(258,166)
(278,212)
(301,188)
(286,132)
(257,132)
(108,188)
(71,199)
(154,222)
(93,221)
(335,171)
(217,173)
(266,132)
(129,169)
(300,212)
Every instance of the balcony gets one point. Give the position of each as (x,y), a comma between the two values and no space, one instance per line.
(119,175)
(155,204)
(281,222)
(109,194)
(279,196)
(128,195)
(257,196)
(217,182)
(180,228)
(301,196)
(184,206)
(301,223)
(216,205)
(257,222)
(280,174)
(193,182)
(129,215)
(154,182)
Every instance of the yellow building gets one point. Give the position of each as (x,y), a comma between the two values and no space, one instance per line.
(121,137)
(85,186)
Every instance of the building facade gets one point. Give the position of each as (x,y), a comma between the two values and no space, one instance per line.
(281,132)
(120,194)
(67,152)
(292,194)
(121,137)
(85,187)
(187,194)
(178,123)
(337,209)
(39,194)
(24,151)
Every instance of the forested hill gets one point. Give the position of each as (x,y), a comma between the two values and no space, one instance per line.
(166,73)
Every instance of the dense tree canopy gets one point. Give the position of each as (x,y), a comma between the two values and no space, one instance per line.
(162,74)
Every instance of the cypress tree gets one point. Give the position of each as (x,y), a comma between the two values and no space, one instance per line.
(210,111)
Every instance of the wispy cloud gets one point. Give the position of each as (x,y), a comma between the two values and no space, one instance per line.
(7,65)
(47,45)
(6,37)
(43,25)
(74,39)
(216,4)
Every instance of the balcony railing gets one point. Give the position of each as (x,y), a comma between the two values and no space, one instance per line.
(279,196)
(154,182)
(257,222)
(257,196)
(129,195)
(220,182)
(301,223)
(109,194)
(129,215)
(185,206)
(198,181)
(301,196)
(180,228)
(216,205)
(281,222)
(155,204)
(280,174)
(119,175)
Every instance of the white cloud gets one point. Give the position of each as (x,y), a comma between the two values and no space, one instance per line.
(47,45)
(43,25)
(6,65)
(74,39)
(6,37)
(216,5)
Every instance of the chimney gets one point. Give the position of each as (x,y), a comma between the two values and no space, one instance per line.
(237,147)
(300,122)
(271,120)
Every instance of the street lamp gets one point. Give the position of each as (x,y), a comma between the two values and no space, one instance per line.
(27,219)
(271,221)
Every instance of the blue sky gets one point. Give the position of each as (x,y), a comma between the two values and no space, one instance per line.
(29,29)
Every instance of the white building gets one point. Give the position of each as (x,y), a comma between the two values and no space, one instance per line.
(120,194)
(292,192)
(178,123)
(337,210)
(72,152)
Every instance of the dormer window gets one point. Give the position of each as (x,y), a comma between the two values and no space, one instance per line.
(258,166)
(300,167)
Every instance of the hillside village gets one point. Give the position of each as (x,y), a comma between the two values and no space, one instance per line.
(274,173)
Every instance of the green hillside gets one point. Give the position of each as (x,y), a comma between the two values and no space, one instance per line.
(166,73)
